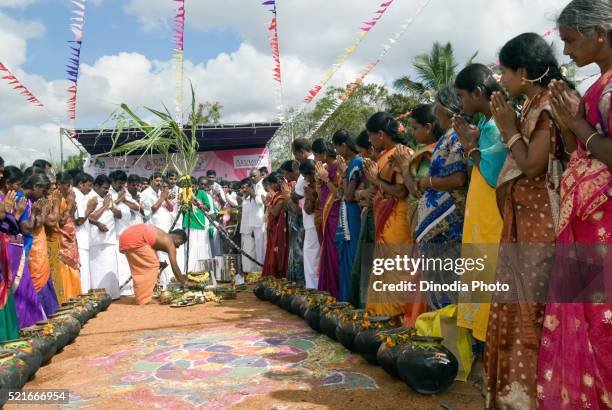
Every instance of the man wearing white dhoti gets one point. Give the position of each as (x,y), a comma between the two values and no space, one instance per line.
(133,185)
(82,192)
(246,232)
(122,201)
(158,208)
(302,152)
(103,239)
(257,214)
(199,230)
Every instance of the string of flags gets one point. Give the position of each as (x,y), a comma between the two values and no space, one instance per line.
(17,86)
(353,86)
(342,58)
(179,42)
(74,63)
(276,72)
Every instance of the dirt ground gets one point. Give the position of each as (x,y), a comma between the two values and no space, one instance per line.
(123,352)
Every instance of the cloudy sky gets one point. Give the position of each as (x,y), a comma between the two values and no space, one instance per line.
(127,54)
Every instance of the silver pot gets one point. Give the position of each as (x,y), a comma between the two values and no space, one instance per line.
(232,266)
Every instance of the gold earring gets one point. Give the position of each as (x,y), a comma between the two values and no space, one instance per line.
(601,40)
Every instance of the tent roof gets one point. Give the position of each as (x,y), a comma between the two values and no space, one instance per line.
(210,137)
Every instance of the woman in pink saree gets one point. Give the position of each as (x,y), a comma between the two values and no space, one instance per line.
(575,360)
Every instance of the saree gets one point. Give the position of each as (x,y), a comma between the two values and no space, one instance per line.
(526,252)
(295,271)
(40,269)
(9,325)
(69,257)
(362,265)
(277,250)
(329,263)
(29,309)
(390,228)
(482,225)
(580,330)
(440,218)
(347,234)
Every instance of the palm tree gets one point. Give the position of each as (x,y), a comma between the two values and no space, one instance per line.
(434,71)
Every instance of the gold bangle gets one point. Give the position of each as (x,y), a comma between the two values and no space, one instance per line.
(513,140)
(586,144)
(430,182)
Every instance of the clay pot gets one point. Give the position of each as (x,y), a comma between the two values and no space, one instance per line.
(66,329)
(427,366)
(269,292)
(313,317)
(387,355)
(287,295)
(349,326)
(103,297)
(45,344)
(24,350)
(14,372)
(300,303)
(330,316)
(258,290)
(367,341)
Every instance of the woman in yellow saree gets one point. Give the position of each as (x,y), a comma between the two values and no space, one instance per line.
(390,210)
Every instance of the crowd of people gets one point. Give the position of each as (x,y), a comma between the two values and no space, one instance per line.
(477,172)
(474,171)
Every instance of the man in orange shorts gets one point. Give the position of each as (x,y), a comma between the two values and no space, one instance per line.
(139,244)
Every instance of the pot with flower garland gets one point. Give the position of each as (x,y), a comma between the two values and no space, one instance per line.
(367,340)
(393,343)
(316,302)
(349,325)
(330,315)
(427,366)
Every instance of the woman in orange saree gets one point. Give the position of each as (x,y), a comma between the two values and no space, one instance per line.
(390,204)
(582,331)
(65,271)
(277,249)
(526,194)
(36,188)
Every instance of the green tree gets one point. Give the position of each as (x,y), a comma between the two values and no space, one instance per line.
(434,70)
(209,113)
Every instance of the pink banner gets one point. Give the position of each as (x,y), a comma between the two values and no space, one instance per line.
(231,165)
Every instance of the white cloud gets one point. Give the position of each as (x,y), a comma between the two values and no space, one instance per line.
(26,143)
(17,3)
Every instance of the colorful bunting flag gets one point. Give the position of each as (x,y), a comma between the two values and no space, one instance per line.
(179,41)
(74,62)
(355,84)
(368,25)
(276,72)
(12,80)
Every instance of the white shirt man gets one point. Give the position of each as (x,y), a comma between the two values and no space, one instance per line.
(123,268)
(247,239)
(312,247)
(82,193)
(103,240)
(257,216)
(159,211)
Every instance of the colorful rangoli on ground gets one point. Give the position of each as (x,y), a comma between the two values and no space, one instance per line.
(220,367)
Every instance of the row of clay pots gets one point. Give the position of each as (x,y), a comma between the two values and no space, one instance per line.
(421,362)
(21,358)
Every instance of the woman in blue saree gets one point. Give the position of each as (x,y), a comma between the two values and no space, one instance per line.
(349,225)
(441,207)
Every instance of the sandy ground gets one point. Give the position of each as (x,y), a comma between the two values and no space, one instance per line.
(92,358)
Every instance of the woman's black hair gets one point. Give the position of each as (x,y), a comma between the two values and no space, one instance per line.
(531,52)
(363,140)
(320,146)
(272,178)
(345,137)
(38,178)
(63,177)
(425,114)
(1,161)
(12,174)
(307,167)
(41,163)
(289,166)
(29,171)
(478,76)
(448,98)
(383,121)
